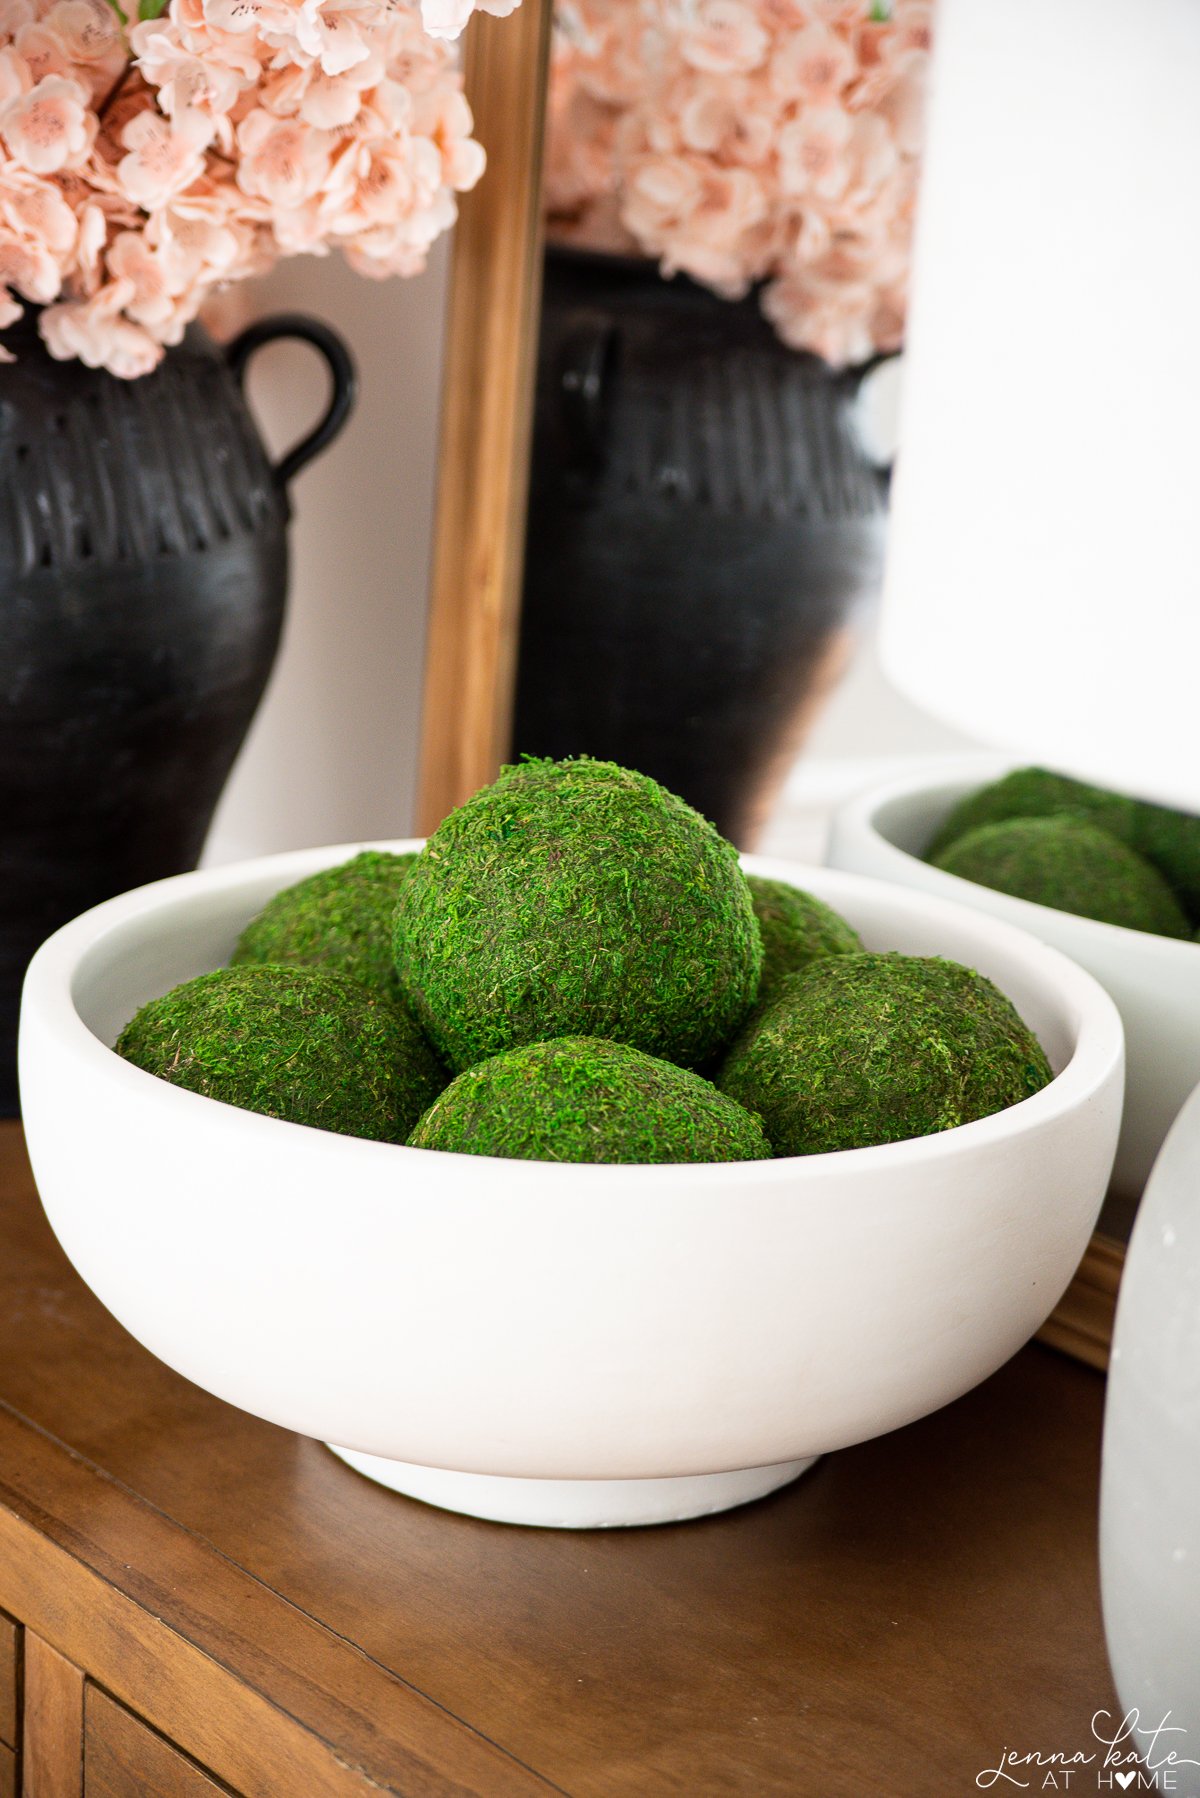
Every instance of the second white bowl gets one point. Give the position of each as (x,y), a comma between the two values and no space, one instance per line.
(1155,980)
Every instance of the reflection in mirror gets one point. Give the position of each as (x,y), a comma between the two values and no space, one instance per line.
(729,188)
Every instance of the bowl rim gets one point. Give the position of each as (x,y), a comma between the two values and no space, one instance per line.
(1099,1037)
(861,811)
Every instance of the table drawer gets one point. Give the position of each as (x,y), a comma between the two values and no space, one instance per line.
(124,1758)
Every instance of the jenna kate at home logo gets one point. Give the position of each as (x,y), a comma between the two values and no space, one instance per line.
(1116,1763)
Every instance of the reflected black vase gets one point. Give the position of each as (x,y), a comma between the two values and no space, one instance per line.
(143,571)
(703,523)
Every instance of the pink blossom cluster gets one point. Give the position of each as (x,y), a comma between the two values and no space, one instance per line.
(749,141)
(145,163)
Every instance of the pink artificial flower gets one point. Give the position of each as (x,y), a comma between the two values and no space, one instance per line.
(88,30)
(446,18)
(444,118)
(748,140)
(137,175)
(97,333)
(15,78)
(49,128)
(812,66)
(283,161)
(30,268)
(34,209)
(160,161)
(660,194)
(197,93)
(43,53)
(812,153)
(152,299)
(723,37)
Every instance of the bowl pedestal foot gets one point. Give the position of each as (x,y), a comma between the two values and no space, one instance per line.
(575,1504)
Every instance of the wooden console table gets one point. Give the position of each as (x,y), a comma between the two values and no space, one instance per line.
(199,1603)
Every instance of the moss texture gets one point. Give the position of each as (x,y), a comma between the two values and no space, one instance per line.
(862,1049)
(294,1043)
(1168,839)
(340,919)
(1070,865)
(1171,841)
(796,928)
(580,1099)
(577,898)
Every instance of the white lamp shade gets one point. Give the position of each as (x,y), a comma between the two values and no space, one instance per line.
(1043,583)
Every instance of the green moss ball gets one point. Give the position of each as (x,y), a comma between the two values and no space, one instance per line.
(340,919)
(577,899)
(1168,839)
(796,928)
(1171,841)
(1035,793)
(862,1049)
(293,1043)
(1070,865)
(580,1099)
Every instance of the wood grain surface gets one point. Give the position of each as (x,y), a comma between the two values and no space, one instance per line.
(53,1723)
(888,1624)
(487,412)
(10,1675)
(123,1758)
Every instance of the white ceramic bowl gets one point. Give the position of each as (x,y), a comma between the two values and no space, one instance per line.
(1155,980)
(548,1343)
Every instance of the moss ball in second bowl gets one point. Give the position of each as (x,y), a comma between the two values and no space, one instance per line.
(292,1043)
(875,1048)
(577,898)
(796,928)
(582,1099)
(340,919)
(1070,865)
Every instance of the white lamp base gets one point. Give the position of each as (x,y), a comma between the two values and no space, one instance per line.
(575,1504)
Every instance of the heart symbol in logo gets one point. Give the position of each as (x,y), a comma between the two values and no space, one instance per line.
(1124,1780)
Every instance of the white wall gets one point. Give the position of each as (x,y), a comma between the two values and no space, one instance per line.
(332,755)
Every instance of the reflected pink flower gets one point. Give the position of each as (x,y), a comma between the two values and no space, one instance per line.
(656,105)
(812,153)
(722,37)
(813,66)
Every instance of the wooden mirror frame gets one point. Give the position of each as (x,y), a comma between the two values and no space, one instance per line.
(483,480)
(487,410)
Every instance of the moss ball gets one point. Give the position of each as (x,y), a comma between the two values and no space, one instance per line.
(580,1099)
(294,1043)
(862,1049)
(1035,793)
(1168,839)
(796,928)
(577,899)
(340,919)
(1070,865)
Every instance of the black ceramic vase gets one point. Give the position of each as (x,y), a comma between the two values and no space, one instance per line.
(703,522)
(143,571)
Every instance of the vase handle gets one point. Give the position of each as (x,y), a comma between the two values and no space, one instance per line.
(852,380)
(342,375)
(584,371)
